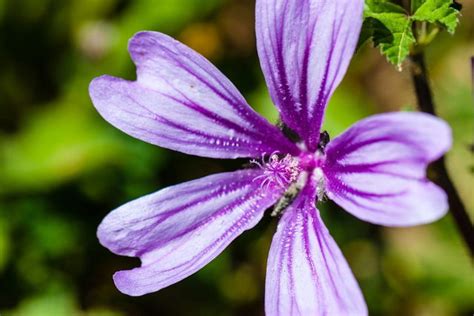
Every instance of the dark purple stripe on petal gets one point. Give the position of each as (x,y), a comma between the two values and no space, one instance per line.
(376,170)
(305,47)
(181,102)
(177,230)
(306,272)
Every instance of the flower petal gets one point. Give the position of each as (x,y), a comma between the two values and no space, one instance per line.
(306,272)
(182,102)
(178,230)
(376,170)
(305,47)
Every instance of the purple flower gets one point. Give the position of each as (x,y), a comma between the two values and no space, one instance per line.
(376,170)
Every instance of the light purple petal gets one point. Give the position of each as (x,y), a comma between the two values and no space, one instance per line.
(305,47)
(306,272)
(376,170)
(182,102)
(178,230)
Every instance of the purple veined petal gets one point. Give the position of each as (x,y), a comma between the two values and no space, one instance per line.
(376,170)
(305,47)
(306,272)
(182,102)
(178,230)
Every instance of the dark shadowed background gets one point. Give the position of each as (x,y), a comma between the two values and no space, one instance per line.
(63,168)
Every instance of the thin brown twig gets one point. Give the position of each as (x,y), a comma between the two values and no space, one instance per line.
(426,104)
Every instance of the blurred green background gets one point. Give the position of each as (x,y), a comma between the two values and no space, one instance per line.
(63,168)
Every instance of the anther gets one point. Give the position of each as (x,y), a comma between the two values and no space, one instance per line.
(323,141)
(277,171)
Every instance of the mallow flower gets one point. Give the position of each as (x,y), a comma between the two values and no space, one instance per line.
(376,169)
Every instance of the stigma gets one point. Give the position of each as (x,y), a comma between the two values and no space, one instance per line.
(278,171)
(291,173)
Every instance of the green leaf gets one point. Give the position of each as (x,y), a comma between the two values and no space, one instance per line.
(438,11)
(415,4)
(389,26)
(382,6)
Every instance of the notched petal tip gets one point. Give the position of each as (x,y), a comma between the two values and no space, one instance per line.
(438,132)
(376,170)
(106,232)
(182,102)
(127,286)
(436,206)
(95,88)
(99,88)
(101,233)
(102,91)
(445,134)
(141,36)
(108,94)
(142,43)
(178,230)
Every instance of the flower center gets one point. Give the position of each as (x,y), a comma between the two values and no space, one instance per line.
(278,171)
(292,173)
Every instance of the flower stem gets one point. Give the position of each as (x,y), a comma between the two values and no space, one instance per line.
(426,104)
